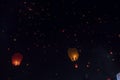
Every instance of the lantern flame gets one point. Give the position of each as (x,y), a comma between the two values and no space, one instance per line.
(16,63)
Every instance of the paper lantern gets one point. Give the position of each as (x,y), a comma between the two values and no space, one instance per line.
(73,54)
(17,59)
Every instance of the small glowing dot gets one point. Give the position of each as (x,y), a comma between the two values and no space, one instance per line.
(111,52)
(63,30)
(76,66)
(119,35)
(98,70)
(23,71)
(25,2)
(56,74)
(113,59)
(75,34)
(28,49)
(83,15)
(42,9)
(8,49)
(30,9)
(35,33)
(88,62)
(37,45)
(87,22)
(87,65)
(27,64)
(49,45)
(3,30)
(14,39)
(99,18)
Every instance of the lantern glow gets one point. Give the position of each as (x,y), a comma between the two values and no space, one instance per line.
(73,54)
(17,59)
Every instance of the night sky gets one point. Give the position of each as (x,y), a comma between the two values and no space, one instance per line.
(43,31)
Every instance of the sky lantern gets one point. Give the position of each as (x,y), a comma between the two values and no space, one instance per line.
(73,55)
(17,59)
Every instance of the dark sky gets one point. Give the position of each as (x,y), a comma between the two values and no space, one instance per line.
(43,30)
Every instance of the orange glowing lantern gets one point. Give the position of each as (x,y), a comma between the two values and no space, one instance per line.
(73,54)
(17,59)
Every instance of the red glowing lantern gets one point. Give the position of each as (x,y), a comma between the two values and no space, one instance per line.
(17,59)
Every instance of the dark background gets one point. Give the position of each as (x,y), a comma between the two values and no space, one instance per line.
(43,30)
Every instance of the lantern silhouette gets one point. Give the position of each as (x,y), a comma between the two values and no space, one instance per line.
(17,59)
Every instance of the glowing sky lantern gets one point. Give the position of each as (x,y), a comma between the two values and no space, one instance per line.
(73,54)
(118,76)
(17,59)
